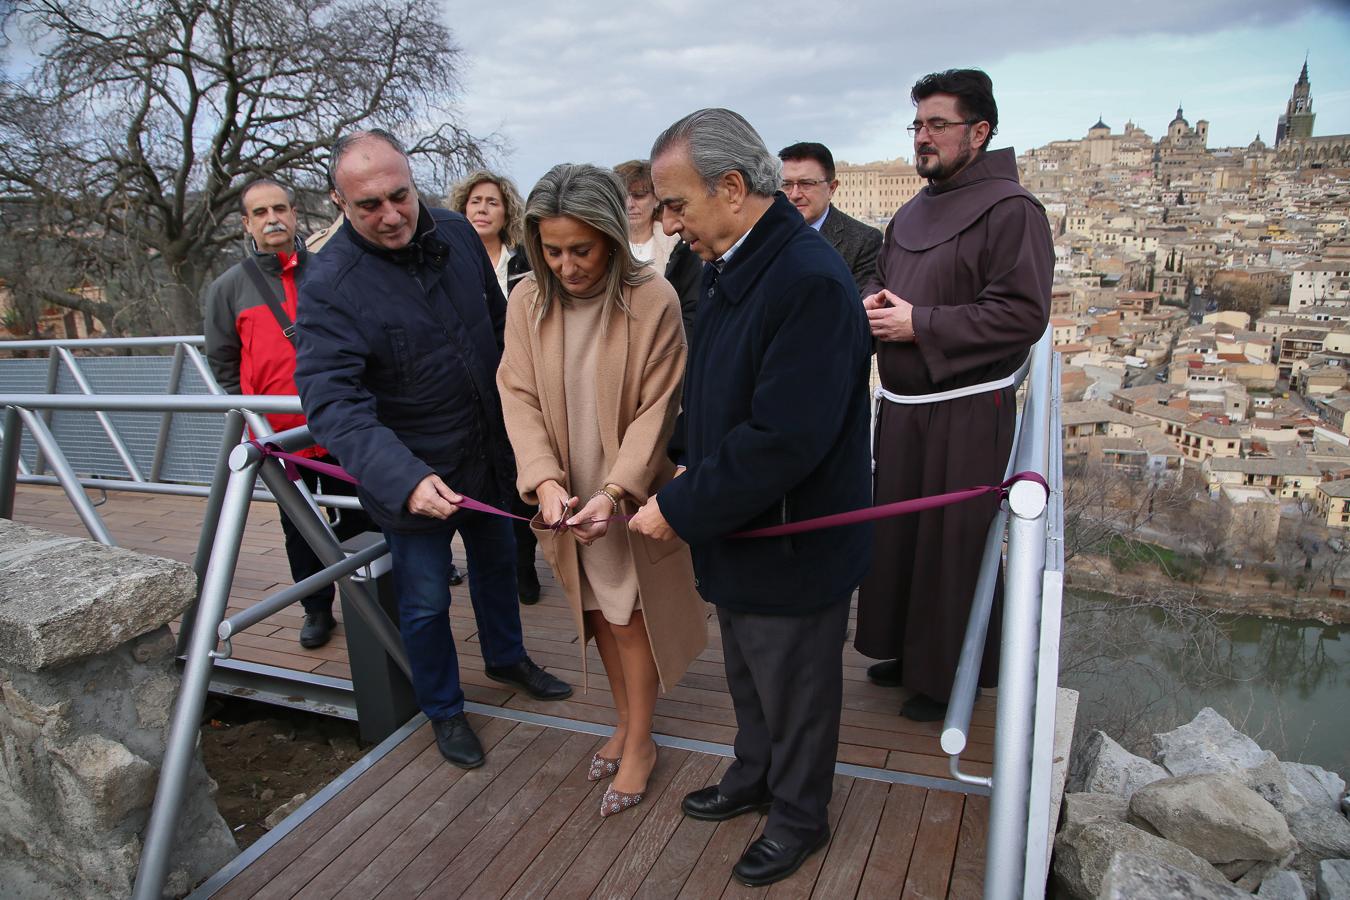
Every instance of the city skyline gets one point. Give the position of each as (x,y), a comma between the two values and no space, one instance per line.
(598,93)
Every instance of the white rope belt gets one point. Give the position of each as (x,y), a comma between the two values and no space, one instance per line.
(938,397)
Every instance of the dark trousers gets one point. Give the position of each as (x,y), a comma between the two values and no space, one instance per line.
(421,563)
(785,674)
(345,523)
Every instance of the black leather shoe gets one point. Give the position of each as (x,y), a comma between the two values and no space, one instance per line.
(316,631)
(923,708)
(531,679)
(457,742)
(527,584)
(766,860)
(710,805)
(456,577)
(886,674)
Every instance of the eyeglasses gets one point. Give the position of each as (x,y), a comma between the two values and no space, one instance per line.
(804,184)
(936,126)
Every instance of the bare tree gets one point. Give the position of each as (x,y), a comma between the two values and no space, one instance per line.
(123,152)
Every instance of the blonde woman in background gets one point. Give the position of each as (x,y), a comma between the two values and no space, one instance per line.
(590,385)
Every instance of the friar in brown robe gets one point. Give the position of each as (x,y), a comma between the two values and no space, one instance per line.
(974,256)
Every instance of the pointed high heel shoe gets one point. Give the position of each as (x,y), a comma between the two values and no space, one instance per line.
(603,767)
(617,801)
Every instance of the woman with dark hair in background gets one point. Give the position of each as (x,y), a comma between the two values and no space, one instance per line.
(493,207)
(590,384)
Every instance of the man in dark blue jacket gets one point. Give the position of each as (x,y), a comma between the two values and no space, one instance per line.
(774,430)
(399,335)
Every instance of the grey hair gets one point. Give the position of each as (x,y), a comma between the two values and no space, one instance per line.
(595,196)
(348,141)
(262,182)
(722,141)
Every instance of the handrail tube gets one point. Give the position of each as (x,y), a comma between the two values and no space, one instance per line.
(166,421)
(206,538)
(174,489)
(1005,854)
(962,699)
(103,343)
(198,403)
(53,375)
(301,589)
(203,369)
(12,435)
(118,445)
(186,722)
(326,548)
(46,443)
(1040,827)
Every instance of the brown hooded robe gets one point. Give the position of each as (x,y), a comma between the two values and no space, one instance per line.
(975,257)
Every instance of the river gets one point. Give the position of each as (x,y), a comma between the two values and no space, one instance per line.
(1144,669)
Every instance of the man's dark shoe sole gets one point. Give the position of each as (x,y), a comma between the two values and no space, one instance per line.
(759,806)
(787,872)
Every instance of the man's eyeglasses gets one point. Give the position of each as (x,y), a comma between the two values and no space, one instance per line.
(936,126)
(804,184)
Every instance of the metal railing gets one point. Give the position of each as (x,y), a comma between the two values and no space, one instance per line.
(232,487)
(1019,828)
(1018,843)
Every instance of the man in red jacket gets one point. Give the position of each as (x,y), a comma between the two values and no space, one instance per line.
(250,309)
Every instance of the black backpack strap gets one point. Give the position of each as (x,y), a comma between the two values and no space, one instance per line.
(269,295)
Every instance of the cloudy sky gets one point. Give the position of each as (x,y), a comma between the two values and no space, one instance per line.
(596,82)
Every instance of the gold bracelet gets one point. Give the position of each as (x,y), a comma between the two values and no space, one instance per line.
(608,494)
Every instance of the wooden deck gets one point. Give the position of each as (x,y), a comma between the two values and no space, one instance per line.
(871,733)
(405,823)
(527,825)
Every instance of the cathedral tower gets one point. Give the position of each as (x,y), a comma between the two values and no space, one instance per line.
(1297,121)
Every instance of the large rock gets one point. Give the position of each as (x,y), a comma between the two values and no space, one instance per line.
(1208,743)
(1321,835)
(87,680)
(1109,768)
(1215,816)
(1270,781)
(1086,808)
(1333,879)
(1132,876)
(63,598)
(1082,858)
(1281,884)
(1314,784)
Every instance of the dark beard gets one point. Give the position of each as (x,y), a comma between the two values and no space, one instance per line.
(938,171)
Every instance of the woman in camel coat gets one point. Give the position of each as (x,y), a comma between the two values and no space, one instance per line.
(590,384)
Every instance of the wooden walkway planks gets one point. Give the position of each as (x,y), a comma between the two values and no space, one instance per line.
(871,732)
(527,825)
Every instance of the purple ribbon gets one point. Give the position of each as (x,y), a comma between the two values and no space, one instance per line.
(837,520)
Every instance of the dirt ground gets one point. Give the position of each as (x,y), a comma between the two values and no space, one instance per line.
(262,756)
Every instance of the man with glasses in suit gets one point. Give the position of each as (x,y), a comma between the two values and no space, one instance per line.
(809,182)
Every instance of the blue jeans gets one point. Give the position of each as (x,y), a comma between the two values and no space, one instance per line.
(421,563)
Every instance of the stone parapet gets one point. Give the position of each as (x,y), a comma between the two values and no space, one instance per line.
(87,683)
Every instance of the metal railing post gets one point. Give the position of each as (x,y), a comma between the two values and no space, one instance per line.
(166,423)
(118,445)
(53,372)
(229,440)
(1006,852)
(187,712)
(70,482)
(9,461)
(326,548)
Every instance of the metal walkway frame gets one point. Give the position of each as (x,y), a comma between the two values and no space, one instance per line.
(1018,848)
